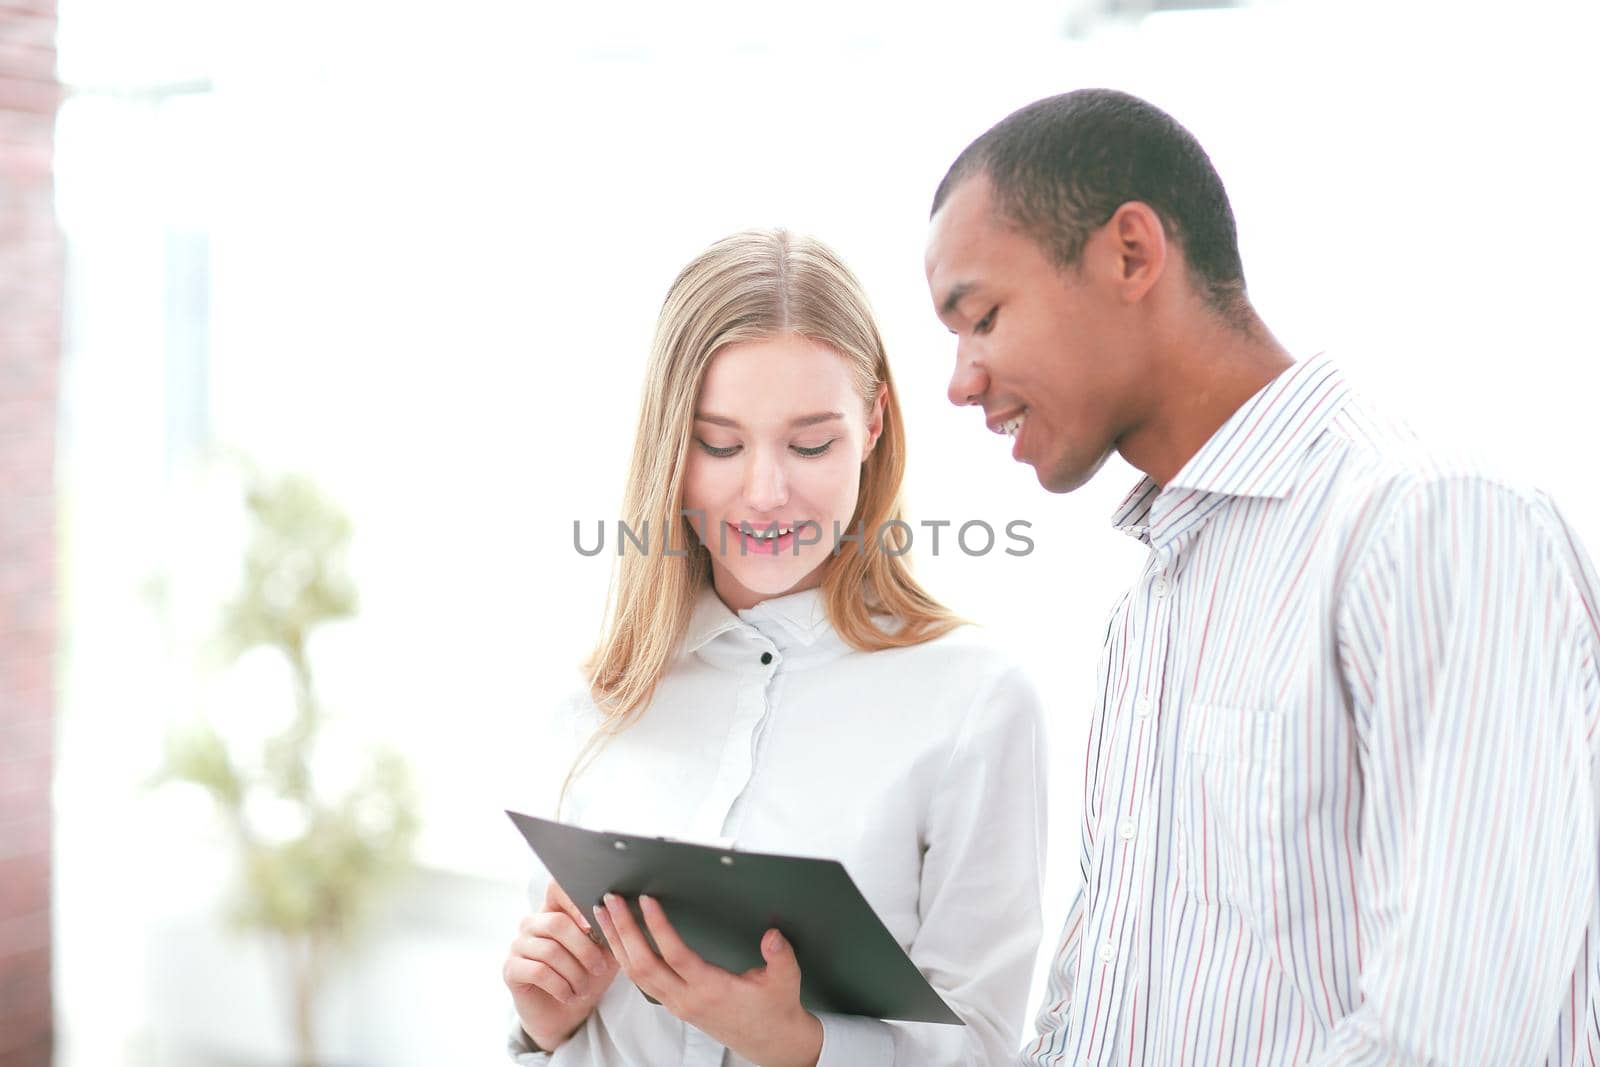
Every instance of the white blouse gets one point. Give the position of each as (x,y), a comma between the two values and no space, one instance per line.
(921,769)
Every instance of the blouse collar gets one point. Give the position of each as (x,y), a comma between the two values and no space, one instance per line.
(794,625)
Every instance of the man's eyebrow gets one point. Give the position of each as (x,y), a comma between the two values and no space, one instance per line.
(956,296)
(803,420)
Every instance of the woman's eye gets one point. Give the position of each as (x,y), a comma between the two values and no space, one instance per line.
(713,450)
(985,324)
(817,451)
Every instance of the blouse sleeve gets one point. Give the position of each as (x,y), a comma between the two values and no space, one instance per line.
(565,727)
(982,873)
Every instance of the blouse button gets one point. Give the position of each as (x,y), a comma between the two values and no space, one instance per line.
(766,657)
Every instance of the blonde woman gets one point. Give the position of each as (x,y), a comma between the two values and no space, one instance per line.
(779,681)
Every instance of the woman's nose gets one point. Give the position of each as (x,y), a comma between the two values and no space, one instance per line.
(765,485)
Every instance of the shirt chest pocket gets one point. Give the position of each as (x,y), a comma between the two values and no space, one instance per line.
(1229,815)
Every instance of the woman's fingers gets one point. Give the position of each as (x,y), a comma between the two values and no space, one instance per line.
(557,926)
(522,970)
(679,956)
(648,971)
(619,947)
(551,955)
(556,899)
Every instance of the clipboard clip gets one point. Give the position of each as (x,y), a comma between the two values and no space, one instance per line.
(729,843)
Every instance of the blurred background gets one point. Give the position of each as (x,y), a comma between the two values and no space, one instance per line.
(324,322)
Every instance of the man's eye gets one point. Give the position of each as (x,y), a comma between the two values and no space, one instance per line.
(985,324)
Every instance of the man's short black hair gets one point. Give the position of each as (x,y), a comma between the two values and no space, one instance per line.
(1061,167)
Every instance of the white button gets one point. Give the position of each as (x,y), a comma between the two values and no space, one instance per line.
(1142,706)
(1106,952)
(1159,587)
(1126,829)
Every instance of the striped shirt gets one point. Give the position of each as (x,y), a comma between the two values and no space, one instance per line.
(1341,786)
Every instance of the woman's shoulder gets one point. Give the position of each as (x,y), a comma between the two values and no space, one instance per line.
(967,641)
(573,708)
(964,687)
(967,659)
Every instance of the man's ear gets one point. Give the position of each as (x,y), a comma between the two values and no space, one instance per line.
(1134,247)
(875,416)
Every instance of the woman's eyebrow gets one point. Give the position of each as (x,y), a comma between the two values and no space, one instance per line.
(733,424)
(812,420)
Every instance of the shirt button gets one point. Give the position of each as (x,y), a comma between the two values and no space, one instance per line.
(766,657)
(1106,952)
(1142,706)
(1126,829)
(1159,587)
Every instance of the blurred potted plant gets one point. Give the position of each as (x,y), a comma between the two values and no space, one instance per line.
(306,887)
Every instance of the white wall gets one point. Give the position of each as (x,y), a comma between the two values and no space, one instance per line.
(439,244)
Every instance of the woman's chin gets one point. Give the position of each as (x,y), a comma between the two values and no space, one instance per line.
(775,578)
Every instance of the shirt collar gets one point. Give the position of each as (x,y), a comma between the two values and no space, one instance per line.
(791,622)
(798,620)
(1256,453)
(709,619)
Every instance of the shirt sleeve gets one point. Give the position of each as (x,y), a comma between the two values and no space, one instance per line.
(1052,1027)
(521,1050)
(982,872)
(1467,641)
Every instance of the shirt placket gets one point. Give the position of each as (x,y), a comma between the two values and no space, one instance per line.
(767,686)
(716,817)
(737,761)
(1112,962)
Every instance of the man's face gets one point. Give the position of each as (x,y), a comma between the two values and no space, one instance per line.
(1044,352)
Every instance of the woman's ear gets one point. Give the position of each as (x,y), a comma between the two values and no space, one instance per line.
(875,420)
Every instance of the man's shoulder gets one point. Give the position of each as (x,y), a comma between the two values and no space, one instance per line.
(1380,482)
(1382,458)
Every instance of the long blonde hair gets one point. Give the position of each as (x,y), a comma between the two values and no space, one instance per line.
(751,286)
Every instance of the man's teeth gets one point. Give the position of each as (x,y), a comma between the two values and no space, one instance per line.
(1012,425)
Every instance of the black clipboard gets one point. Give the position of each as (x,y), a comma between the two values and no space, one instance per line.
(721,901)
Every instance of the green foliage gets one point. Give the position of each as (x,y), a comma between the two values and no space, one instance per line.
(313,883)
(294,574)
(318,883)
(197,754)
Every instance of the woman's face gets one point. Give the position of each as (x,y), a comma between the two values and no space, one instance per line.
(779,438)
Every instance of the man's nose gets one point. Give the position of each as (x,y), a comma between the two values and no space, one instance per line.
(967,382)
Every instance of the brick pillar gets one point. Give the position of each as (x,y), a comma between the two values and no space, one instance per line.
(30,341)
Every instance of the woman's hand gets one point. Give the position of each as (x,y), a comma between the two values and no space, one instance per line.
(756,1014)
(555,971)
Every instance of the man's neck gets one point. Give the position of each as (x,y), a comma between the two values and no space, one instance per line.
(1203,381)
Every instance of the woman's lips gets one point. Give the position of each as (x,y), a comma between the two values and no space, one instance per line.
(750,545)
